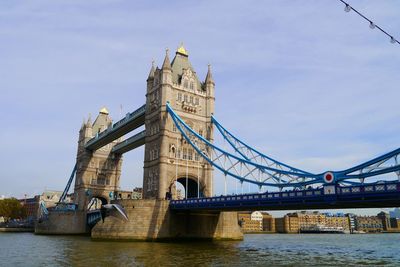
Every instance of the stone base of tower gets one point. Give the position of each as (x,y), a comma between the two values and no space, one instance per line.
(63,223)
(152,220)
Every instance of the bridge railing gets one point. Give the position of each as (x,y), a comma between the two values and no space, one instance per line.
(376,188)
(303,194)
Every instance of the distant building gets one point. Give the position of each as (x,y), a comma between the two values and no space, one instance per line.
(268,222)
(307,221)
(369,224)
(31,206)
(287,224)
(352,221)
(338,221)
(51,198)
(136,193)
(256,221)
(385,218)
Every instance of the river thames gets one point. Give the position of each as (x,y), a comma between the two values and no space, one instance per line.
(26,249)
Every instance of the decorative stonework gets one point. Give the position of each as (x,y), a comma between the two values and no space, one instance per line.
(165,149)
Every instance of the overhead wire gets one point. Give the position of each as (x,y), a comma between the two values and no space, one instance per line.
(372,24)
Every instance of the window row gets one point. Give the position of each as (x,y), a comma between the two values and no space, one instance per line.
(186,154)
(101,164)
(152,180)
(100,181)
(154,128)
(153,154)
(174,129)
(191,85)
(188,99)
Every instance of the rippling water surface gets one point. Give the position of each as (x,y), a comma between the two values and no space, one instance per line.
(25,249)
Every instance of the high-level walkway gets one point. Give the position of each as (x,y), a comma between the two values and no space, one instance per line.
(131,122)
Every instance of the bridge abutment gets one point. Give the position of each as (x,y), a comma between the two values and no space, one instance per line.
(152,220)
(63,223)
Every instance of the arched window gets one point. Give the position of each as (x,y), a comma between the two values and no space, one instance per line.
(185,84)
(191,85)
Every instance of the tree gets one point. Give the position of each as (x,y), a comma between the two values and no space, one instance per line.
(11,208)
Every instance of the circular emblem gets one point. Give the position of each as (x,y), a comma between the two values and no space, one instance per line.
(328,177)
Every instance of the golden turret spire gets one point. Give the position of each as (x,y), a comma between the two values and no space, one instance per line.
(104,111)
(181,50)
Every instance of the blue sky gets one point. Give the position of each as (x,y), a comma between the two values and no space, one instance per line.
(304,81)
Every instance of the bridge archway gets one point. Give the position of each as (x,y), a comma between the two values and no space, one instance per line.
(194,189)
(96,202)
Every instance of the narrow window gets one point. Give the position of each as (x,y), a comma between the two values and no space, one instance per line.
(190,154)
(185,97)
(184,153)
(191,99)
(179,97)
(197,101)
(185,84)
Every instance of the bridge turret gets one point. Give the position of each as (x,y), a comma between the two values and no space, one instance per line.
(98,171)
(168,158)
(209,86)
(166,69)
(150,78)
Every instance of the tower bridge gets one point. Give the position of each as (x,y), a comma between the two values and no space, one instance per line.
(179,122)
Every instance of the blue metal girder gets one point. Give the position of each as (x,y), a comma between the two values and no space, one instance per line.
(67,187)
(224,133)
(339,175)
(366,196)
(180,123)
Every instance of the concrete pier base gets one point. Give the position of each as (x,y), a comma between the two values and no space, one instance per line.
(63,223)
(152,220)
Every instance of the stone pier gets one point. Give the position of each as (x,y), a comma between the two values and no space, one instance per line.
(63,223)
(152,220)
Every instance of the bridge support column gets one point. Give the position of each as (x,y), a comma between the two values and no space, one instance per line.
(152,220)
(63,223)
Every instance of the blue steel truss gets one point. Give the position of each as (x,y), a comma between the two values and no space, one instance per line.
(255,167)
(243,169)
(67,187)
(387,163)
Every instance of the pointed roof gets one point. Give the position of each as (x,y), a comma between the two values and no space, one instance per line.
(181,50)
(152,71)
(179,63)
(209,78)
(166,64)
(83,123)
(89,121)
(103,111)
(102,121)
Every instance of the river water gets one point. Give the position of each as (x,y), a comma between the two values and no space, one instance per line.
(26,249)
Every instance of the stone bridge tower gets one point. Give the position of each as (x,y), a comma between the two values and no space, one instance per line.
(98,172)
(168,158)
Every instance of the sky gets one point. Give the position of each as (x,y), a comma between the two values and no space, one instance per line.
(302,81)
